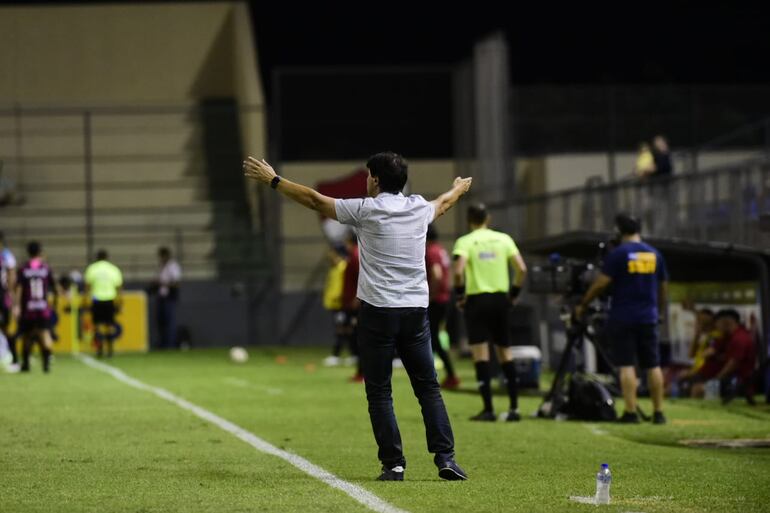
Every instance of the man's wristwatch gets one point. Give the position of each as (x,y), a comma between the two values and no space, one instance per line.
(275,181)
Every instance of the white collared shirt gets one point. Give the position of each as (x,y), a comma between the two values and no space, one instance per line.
(391,232)
(170,275)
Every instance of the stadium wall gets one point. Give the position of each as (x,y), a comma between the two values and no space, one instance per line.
(303,243)
(115,54)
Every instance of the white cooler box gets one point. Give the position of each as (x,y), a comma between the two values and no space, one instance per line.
(528,360)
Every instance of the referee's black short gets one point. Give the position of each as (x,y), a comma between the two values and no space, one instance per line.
(103,312)
(487,318)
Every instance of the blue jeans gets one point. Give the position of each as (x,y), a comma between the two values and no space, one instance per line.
(380,332)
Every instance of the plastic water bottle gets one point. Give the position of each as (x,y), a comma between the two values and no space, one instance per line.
(603,481)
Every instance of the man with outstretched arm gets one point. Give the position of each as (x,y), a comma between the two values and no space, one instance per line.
(393,291)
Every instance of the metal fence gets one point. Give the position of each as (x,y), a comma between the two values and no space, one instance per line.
(128,179)
(725,203)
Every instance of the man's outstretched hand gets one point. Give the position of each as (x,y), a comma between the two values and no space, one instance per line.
(463,184)
(258,170)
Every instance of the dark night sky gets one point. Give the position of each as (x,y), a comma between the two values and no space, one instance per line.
(549,42)
(552,42)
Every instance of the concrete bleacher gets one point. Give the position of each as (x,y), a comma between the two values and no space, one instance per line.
(159,176)
(149,188)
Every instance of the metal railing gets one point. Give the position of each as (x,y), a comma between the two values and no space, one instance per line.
(83,177)
(724,203)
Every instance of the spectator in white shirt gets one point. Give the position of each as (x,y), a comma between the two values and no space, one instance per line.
(167,288)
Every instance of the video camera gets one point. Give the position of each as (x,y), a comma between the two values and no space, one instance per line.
(565,277)
(571,279)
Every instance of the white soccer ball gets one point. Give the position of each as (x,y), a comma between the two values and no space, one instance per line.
(239,354)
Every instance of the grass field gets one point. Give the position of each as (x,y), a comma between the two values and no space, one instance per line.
(79,440)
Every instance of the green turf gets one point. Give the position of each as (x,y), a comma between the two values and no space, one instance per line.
(78,440)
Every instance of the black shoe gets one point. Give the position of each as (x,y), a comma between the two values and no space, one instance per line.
(451,471)
(658,418)
(513,416)
(485,416)
(392,474)
(629,418)
(24,368)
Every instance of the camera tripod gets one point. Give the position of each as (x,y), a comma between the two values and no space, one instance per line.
(577,333)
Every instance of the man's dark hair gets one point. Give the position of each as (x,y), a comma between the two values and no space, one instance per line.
(390,169)
(353,238)
(34,249)
(102,254)
(730,313)
(707,311)
(164,252)
(432,233)
(627,224)
(477,214)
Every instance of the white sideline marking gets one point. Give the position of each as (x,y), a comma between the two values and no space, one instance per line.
(595,430)
(242,383)
(358,494)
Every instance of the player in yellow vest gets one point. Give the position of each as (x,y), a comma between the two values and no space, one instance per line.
(484,290)
(104,284)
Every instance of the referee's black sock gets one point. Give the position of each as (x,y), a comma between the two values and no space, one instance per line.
(485,384)
(509,369)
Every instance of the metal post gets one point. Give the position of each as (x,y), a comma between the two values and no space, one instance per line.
(611,125)
(694,129)
(19,147)
(179,243)
(566,208)
(89,186)
(767,137)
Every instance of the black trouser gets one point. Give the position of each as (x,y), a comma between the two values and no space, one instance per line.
(436,314)
(380,332)
(167,322)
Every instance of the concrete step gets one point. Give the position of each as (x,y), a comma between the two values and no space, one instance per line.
(31,219)
(154,197)
(186,169)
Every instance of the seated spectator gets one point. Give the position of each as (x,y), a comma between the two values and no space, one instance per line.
(705,336)
(733,355)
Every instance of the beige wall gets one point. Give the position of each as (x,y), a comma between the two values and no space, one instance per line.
(248,91)
(115,54)
(304,245)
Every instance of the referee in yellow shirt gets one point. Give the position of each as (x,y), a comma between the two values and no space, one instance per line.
(104,284)
(484,290)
